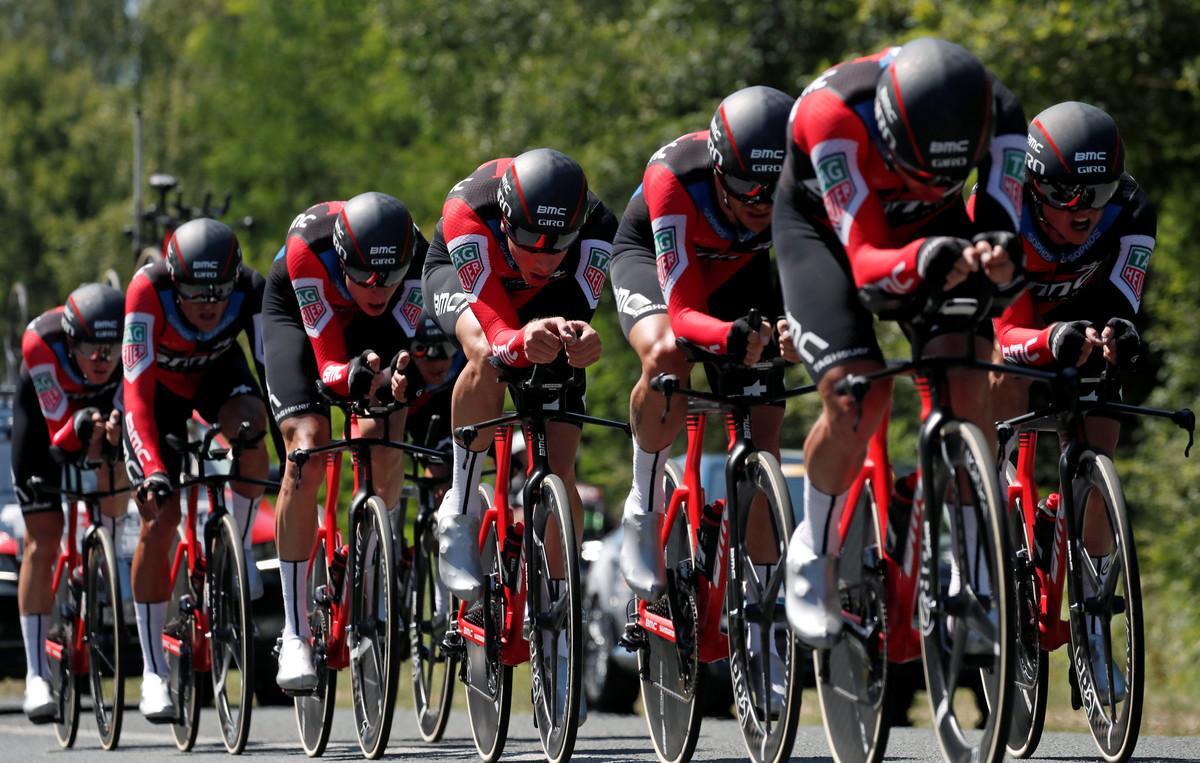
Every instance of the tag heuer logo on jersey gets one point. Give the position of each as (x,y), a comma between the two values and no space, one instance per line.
(667,253)
(469,264)
(311,305)
(50,395)
(596,271)
(134,346)
(1013,177)
(833,173)
(410,307)
(1134,272)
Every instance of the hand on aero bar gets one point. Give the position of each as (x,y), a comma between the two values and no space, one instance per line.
(399,379)
(545,337)
(583,349)
(787,345)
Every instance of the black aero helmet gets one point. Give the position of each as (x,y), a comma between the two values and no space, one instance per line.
(747,139)
(203,256)
(1075,156)
(543,199)
(94,313)
(934,107)
(430,341)
(375,239)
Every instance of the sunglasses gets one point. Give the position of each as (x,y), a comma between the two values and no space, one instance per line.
(748,192)
(96,350)
(373,279)
(209,292)
(949,184)
(1080,196)
(433,350)
(540,243)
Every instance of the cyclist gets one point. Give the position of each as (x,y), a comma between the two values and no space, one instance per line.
(1088,231)
(436,363)
(338,307)
(871,197)
(183,317)
(526,245)
(64,399)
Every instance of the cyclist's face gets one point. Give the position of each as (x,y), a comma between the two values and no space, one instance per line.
(97,368)
(369,299)
(1068,227)
(755,218)
(535,267)
(434,372)
(203,315)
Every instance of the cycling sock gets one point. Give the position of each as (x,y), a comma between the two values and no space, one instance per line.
(818,529)
(244,510)
(976,558)
(33,630)
(295,599)
(151,616)
(463,495)
(645,493)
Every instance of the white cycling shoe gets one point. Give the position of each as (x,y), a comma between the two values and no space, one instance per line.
(1106,694)
(641,554)
(39,701)
(813,609)
(296,671)
(458,556)
(156,704)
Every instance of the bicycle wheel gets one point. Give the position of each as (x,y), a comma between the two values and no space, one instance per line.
(432,668)
(1112,617)
(230,636)
(104,631)
(60,657)
(670,670)
(556,611)
(314,712)
(768,728)
(852,676)
(374,637)
(1030,662)
(182,679)
(954,457)
(488,680)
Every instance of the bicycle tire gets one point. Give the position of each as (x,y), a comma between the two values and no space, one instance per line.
(556,730)
(854,712)
(433,669)
(231,638)
(104,627)
(314,712)
(669,685)
(1096,471)
(64,684)
(488,681)
(964,443)
(374,641)
(767,740)
(182,681)
(1031,665)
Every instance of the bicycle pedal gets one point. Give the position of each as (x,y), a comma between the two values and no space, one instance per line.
(453,644)
(634,638)
(321,594)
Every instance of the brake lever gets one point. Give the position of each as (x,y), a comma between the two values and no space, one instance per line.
(1186,420)
(856,386)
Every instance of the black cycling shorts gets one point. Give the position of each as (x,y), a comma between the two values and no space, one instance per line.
(441,288)
(227,377)
(634,277)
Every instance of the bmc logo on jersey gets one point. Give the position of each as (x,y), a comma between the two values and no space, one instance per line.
(468,261)
(837,186)
(49,394)
(136,353)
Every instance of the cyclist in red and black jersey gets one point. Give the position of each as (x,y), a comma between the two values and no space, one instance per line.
(526,246)
(342,302)
(871,197)
(1088,231)
(64,399)
(183,317)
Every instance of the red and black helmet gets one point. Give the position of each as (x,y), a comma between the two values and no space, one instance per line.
(543,199)
(94,313)
(1075,156)
(203,256)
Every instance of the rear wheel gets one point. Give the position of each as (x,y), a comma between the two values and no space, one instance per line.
(1031,663)
(104,630)
(314,712)
(488,680)
(182,679)
(432,668)
(670,671)
(852,676)
(764,656)
(60,641)
(230,640)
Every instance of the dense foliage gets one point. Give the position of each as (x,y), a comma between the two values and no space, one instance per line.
(289,103)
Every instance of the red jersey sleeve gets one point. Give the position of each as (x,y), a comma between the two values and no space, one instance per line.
(1023,336)
(43,366)
(673,218)
(325,332)
(143,326)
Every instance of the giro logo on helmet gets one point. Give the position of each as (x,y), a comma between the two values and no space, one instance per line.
(1035,165)
(1091,169)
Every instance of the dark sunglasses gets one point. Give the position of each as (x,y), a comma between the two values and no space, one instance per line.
(376,279)
(748,192)
(433,350)
(540,243)
(948,184)
(96,350)
(1081,196)
(209,292)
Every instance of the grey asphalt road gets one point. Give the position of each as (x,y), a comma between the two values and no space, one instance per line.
(604,738)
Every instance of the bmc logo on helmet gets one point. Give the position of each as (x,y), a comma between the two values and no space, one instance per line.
(885,113)
(546,209)
(1091,156)
(949,146)
(766,153)
(1034,145)
(383,250)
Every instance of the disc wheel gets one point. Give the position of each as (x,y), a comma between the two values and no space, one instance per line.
(230,636)
(670,670)
(852,676)
(374,638)
(556,635)
(60,640)
(766,686)
(488,680)
(104,629)
(1106,613)
(314,712)
(432,668)
(1031,664)
(182,679)
(959,475)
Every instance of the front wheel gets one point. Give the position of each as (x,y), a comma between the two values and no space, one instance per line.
(314,712)
(374,637)
(60,656)
(230,636)
(182,678)
(104,633)
(429,608)
(1031,663)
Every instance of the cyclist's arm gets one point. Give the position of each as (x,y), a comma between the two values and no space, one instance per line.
(1023,336)
(143,325)
(57,410)
(313,290)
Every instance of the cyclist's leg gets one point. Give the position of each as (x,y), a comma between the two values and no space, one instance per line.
(562,441)
(387,464)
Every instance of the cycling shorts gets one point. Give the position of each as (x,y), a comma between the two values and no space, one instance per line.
(634,276)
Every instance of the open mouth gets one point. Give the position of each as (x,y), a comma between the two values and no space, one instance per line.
(1080,224)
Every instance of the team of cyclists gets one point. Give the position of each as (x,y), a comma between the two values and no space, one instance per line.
(858,186)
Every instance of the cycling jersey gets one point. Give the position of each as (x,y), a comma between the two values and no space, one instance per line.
(468,241)
(161,350)
(675,216)
(1099,279)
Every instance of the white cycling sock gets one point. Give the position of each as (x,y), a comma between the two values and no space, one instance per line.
(244,511)
(295,599)
(645,492)
(151,616)
(818,528)
(33,630)
(463,495)
(976,558)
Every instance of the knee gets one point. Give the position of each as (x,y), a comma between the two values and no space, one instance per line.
(41,546)
(246,408)
(663,357)
(563,465)
(852,421)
